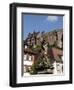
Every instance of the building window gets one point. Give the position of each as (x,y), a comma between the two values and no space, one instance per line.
(29,58)
(25,47)
(25,56)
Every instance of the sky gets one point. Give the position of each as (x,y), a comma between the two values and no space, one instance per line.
(47,23)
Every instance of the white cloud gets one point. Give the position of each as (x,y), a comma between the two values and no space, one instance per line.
(52,18)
